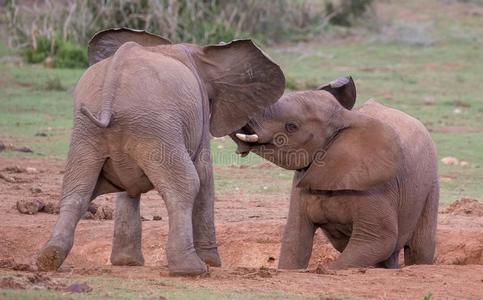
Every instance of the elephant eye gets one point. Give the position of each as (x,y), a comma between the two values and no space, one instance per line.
(291,127)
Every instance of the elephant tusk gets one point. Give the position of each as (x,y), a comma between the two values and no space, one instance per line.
(250,138)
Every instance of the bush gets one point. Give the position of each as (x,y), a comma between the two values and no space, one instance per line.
(347,11)
(70,56)
(45,30)
(63,54)
(40,53)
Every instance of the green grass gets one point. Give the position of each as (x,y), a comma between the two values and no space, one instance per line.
(121,288)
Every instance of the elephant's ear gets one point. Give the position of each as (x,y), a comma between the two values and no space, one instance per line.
(241,81)
(105,43)
(365,154)
(343,89)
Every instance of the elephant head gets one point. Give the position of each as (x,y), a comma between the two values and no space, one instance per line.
(317,134)
(239,78)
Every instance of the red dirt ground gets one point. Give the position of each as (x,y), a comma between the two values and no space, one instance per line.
(249,232)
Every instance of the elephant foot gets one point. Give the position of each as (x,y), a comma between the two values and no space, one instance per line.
(210,257)
(189,265)
(126,259)
(50,258)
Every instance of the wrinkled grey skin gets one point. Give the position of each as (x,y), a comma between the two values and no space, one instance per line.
(367,177)
(144,111)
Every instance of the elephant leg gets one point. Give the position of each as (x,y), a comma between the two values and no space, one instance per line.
(373,240)
(82,171)
(126,241)
(203,213)
(421,247)
(391,263)
(177,182)
(337,235)
(298,236)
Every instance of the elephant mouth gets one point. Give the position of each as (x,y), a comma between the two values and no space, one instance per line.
(246,139)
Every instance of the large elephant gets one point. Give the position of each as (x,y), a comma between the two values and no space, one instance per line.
(367,177)
(144,111)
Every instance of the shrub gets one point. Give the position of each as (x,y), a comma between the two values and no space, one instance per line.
(38,53)
(45,29)
(69,55)
(347,11)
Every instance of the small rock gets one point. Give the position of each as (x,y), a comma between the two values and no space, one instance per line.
(449,160)
(22,267)
(461,103)
(8,178)
(264,273)
(323,270)
(30,207)
(429,100)
(78,288)
(157,218)
(14,169)
(464,163)
(92,208)
(457,110)
(104,212)
(36,190)
(51,208)
(24,150)
(31,170)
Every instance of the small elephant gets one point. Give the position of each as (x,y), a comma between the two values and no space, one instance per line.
(144,111)
(367,177)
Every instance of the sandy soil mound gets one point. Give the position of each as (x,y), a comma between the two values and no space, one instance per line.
(465,206)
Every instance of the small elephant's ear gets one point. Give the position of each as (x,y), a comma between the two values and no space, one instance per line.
(105,43)
(343,89)
(365,154)
(241,81)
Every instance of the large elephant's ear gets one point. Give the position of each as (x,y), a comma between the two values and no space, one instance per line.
(241,81)
(343,89)
(105,43)
(365,154)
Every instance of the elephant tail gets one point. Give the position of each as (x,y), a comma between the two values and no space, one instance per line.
(104,117)
(110,89)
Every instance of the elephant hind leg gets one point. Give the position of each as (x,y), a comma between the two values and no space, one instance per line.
(421,247)
(84,165)
(177,181)
(126,241)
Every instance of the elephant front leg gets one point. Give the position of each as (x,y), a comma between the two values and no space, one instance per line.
(203,213)
(126,242)
(372,243)
(298,235)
